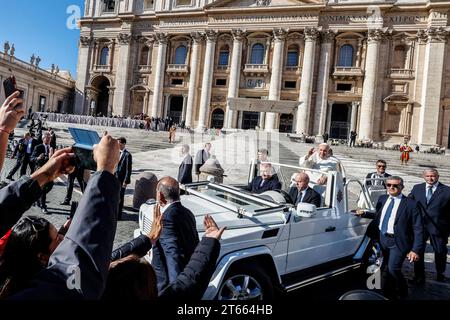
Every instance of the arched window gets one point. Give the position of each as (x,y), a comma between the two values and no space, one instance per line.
(292,57)
(144,61)
(224,56)
(180,55)
(346,56)
(104,56)
(399,57)
(257,54)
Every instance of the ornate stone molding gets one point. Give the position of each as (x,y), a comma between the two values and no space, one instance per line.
(436,34)
(375,35)
(197,37)
(124,38)
(311,33)
(211,35)
(238,34)
(86,41)
(328,35)
(263,3)
(280,34)
(161,37)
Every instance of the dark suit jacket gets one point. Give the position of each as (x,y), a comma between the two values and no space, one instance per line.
(408,226)
(272,184)
(311,196)
(40,149)
(85,252)
(125,168)
(370,182)
(200,160)
(21,149)
(185,170)
(15,199)
(176,244)
(437,212)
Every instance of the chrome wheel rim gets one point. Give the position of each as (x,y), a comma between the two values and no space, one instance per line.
(241,287)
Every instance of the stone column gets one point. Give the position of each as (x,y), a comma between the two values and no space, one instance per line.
(121,93)
(329,114)
(84,55)
(235,74)
(185,101)
(429,130)
(197,38)
(370,82)
(110,100)
(277,73)
(354,117)
(162,39)
(208,71)
(323,78)
(164,113)
(304,109)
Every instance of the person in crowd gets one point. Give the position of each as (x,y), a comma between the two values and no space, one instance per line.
(172,131)
(398,226)
(268,180)
(78,174)
(302,193)
(378,177)
(434,200)
(201,157)
(9,117)
(185,169)
(78,268)
(26,252)
(325,137)
(132,278)
(320,160)
(53,138)
(179,235)
(41,154)
(405,150)
(212,171)
(353,136)
(123,172)
(20,151)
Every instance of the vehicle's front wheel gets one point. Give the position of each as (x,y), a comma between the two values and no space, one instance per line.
(245,282)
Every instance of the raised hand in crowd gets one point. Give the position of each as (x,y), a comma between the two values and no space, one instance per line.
(211,228)
(60,163)
(157,226)
(107,154)
(9,117)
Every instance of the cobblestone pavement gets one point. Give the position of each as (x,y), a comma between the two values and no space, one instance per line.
(152,152)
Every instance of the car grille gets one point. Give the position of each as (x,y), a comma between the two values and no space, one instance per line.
(146,225)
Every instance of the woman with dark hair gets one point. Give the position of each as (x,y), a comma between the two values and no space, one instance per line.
(26,252)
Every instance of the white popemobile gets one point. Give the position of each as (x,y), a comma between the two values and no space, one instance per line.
(270,245)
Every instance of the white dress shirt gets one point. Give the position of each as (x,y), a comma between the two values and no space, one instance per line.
(433,188)
(397,200)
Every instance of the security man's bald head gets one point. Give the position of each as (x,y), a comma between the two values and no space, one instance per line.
(168,191)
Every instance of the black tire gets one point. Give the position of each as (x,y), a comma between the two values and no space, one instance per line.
(259,284)
(373,258)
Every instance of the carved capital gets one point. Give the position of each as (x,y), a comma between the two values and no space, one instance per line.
(238,34)
(311,33)
(197,37)
(328,35)
(280,34)
(86,41)
(211,35)
(436,34)
(375,35)
(124,38)
(162,37)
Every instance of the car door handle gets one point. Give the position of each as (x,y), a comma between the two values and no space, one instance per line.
(330,229)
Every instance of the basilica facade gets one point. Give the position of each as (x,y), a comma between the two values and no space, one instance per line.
(380,68)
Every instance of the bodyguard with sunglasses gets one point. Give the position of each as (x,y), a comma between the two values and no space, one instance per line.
(377,178)
(398,227)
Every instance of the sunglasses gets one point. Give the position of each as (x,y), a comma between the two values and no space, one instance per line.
(393,185)
(381,166)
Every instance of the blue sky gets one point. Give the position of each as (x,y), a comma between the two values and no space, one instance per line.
(40,27)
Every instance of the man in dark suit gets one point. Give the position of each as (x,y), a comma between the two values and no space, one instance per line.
(379,174)
(268,180)
(200,158)
(20,151)
(179,235)
(185,170)
(41,154)
(302,193)
(78,174)
(123,172)
(434,200)
(398,226)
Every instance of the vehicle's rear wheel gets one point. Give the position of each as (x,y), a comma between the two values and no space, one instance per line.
(245,282)
(373,258)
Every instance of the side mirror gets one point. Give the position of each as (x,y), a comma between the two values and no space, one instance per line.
(306,210)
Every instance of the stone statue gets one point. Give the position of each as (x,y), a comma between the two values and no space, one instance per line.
(56,70)
(13,50)
(32,59)
(6,47)
(53,68)
(38,60)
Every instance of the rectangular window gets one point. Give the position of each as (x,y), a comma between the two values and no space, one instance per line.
(290,84)
(177,82)
(221,82)
(109,5)
(184,2)
(344,87)
(292,59)
(223,58)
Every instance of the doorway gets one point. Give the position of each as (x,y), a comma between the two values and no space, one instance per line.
(176,108)
(250,120)
(340,121)
(286,121)
(217,119)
